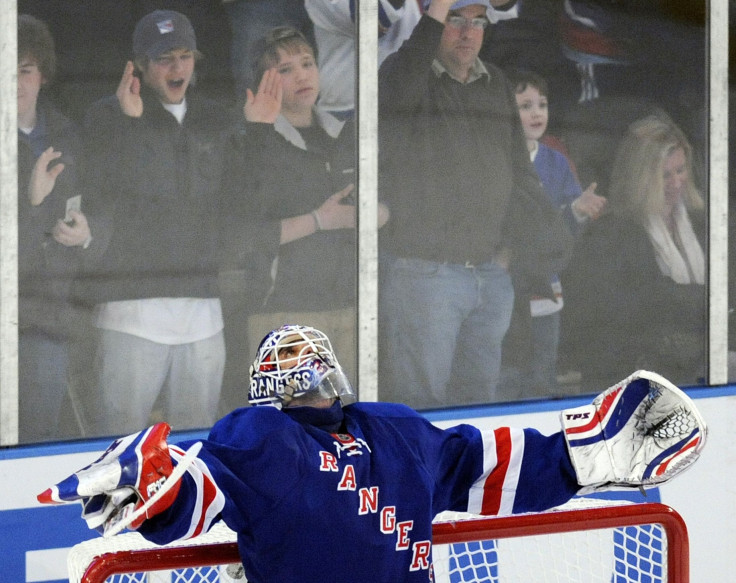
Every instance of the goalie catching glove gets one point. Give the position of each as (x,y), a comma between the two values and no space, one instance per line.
(641,432)
(128,483)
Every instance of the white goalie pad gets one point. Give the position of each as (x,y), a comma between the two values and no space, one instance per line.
(641,432)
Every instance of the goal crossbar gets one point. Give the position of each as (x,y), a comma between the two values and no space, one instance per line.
(500,527)
(462,530)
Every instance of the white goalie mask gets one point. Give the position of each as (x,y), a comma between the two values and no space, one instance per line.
(295,366)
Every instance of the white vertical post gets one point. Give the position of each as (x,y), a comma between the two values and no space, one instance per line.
(8,225)
(367,115)
(718,194)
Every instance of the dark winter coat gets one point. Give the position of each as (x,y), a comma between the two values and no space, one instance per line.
(154,200)
(46,268)
(622,313)
(455,171)
(274,178)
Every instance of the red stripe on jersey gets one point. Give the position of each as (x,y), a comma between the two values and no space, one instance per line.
(209,492)
(493,486)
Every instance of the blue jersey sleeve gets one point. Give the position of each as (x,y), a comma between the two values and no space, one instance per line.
(482,471)
(503,471)
(246,457)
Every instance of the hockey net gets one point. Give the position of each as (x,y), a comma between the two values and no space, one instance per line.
(586,541)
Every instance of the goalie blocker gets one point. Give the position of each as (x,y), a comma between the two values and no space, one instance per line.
(137,477)
(641,432)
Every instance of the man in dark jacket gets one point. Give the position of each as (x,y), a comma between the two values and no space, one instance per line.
(467,212)
(155,159)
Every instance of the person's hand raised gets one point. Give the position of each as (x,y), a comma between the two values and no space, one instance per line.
(129,92)
(43,177)
(265,105)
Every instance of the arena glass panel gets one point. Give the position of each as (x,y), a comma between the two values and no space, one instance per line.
(92,70)
(439,251)
(314,286)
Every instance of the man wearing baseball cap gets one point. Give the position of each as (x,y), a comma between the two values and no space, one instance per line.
(154,166)
(161,39)
(467,212)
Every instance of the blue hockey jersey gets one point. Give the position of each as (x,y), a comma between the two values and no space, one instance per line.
(355,504)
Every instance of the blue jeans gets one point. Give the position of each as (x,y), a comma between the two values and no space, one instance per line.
(545,343)
(535,375)
(43,363)
(442,326)
(250,20)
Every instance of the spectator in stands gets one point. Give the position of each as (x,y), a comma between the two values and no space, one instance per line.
(530,359)
(553,167)
(155,159)
(294,174)
(635,287)
(48,194)
(210,18)
(87,67)
(466,207)
(250,20)
(335,33)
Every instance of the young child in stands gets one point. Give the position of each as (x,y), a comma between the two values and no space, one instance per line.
(578,206)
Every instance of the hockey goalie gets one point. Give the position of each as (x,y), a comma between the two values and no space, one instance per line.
(308,478)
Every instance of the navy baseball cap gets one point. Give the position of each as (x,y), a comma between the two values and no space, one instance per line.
(162,31)
(463,3)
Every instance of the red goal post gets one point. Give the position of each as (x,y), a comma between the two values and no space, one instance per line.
(639,543)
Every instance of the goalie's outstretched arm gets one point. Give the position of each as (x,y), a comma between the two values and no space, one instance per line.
(641,432)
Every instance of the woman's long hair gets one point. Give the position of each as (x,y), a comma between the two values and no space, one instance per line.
(637,182)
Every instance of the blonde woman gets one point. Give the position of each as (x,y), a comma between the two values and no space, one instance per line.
(635,288)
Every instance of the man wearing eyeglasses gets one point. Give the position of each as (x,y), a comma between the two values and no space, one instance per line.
(468,214)
(462,39)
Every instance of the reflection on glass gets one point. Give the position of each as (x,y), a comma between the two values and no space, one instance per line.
(164,292)
(50,231)
(154,161)
(530,365)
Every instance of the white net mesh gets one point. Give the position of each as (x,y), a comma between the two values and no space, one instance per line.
(625,554)
(82,555)
(577,553)
(598,556)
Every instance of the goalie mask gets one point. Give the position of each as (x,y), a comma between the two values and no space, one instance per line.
(295,366)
